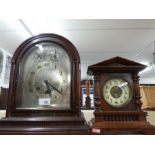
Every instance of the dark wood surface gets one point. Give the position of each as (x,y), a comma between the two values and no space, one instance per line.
(130,118)
(45,120)
(119,128)
(3,98)
(43,125)
(115,65)
(75,96)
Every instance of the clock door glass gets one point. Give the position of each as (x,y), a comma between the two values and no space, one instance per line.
(117,92)
(44,78)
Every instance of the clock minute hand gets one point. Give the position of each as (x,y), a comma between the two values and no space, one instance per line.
(49,84)
(123,84)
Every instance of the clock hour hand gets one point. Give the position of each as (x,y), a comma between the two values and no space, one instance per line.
(49,85)
(48,91)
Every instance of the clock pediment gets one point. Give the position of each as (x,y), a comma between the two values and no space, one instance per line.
(116,64)
(117,97)
(117,60)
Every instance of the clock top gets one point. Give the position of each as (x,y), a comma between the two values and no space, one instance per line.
(116,64)
(44,77)
(46,37)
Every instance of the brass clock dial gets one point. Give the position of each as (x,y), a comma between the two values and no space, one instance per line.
(46,77)
(117,92)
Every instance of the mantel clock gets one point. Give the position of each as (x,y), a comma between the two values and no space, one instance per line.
(44,94)
(117,97)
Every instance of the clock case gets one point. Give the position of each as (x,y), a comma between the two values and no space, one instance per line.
(129,118)
(45,120)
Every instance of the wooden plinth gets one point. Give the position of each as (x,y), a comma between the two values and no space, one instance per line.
(122,123)
(68,125)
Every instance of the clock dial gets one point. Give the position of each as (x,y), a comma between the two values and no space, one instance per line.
(117,92)
(45,77)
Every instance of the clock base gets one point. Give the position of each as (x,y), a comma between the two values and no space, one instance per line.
(66,125)
(122,123)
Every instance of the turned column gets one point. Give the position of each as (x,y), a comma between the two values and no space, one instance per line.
(97,98)
(88,100)
(137,91)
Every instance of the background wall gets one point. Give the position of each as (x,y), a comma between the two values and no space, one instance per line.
(151,117)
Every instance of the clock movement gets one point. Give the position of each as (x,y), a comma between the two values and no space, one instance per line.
(117,98)
(44,93)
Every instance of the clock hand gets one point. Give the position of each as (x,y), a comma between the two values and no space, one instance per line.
(123,84)
(53,87)
(48,91)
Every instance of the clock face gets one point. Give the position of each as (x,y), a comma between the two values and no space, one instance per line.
(45,77)
(117,92)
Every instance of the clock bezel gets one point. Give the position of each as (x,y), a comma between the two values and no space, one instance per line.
(103,77)
(20,87)
(125,103)
(75,97)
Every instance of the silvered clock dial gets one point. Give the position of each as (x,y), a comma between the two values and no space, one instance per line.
(46,72)
(117,92)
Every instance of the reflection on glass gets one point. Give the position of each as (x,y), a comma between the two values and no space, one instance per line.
(43,78)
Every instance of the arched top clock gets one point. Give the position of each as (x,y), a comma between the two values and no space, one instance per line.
(44,93)
(45,78)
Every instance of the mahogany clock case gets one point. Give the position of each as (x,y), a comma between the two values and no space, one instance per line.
(117,68)
(3,98)
(45,119)
(129,117)
(75,79)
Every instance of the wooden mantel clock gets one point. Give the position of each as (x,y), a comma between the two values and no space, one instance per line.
(44,94)
(117,98)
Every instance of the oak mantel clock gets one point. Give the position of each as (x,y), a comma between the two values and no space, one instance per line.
(117,97)
(44,94)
